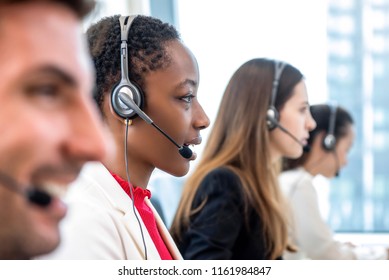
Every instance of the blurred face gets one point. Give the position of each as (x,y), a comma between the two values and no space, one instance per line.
(337,159)
(48,122)
(172,103)
(296,118)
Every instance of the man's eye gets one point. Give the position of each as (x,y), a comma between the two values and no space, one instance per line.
(46,94)
(43,90)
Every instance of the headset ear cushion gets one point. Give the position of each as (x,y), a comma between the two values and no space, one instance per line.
(272,118)
(119,107)
(329,142)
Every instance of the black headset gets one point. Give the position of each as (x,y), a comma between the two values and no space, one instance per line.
(125,84)
(33,194)
(329,141)
(272,114)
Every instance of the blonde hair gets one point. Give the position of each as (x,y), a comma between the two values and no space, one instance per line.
(239,141)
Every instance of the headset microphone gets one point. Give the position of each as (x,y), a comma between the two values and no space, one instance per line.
(275,123)
(37,197)
(307,148)
(184,151)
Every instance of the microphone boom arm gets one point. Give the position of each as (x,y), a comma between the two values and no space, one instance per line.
(184,151)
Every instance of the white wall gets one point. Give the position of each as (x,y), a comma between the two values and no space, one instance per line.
(114,7)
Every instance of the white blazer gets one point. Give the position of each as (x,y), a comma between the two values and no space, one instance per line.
(101,223)
(309,231)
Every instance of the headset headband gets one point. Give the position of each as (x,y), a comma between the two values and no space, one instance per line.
(278,68)
(125,25)
(331,124)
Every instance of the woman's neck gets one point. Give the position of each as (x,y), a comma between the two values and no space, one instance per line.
(139,174)
(313,166)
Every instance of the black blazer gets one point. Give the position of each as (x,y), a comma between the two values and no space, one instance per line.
(219,231)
